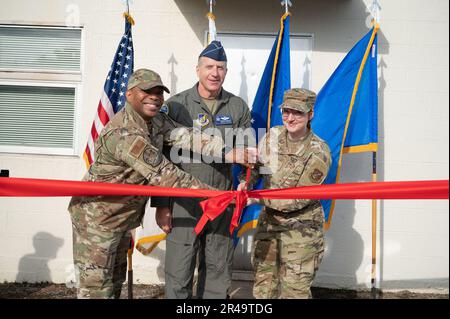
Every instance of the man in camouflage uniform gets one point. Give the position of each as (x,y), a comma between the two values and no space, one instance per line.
(206,106)
(289,240)
(128,151)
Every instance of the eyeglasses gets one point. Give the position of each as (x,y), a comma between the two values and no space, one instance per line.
(296,114)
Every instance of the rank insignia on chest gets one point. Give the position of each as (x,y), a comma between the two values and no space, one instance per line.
(223,120)
(164,109)
(202,119)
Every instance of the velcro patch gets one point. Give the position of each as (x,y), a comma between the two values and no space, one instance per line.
(152,156)
(224,120)
(316,176)
(164,109)
(137,147)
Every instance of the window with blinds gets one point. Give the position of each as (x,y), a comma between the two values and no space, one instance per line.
(40,74)
(37,116)
(40,48)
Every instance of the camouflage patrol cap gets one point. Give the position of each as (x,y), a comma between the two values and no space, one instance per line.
(145,79)
(299,99)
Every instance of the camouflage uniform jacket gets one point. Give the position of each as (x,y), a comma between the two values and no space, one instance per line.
(291,164)
(128,151)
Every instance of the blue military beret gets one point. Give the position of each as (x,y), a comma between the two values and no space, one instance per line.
(214,51)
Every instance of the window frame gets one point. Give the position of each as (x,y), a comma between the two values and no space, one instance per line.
(50,71)
(72,151)
(48,78)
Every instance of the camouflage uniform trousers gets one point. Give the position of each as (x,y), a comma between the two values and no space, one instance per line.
(100,260)
(286,262)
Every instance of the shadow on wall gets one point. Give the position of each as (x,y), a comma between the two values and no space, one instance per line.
(34,267)
(333,23)
(172,75)
(307,75)
(344,247)
(243,89)
(159,254)
(344,244)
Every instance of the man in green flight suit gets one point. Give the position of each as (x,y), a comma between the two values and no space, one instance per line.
(207,107)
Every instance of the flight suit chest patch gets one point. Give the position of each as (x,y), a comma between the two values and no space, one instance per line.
(223,120)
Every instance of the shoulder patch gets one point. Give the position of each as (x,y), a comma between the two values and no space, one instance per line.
(316,176)
(137,147)
(152,156)
(164,109)
(202,120)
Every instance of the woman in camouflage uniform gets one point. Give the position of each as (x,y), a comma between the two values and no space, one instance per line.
(289,240)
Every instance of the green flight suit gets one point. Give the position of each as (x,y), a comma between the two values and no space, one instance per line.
(214,245)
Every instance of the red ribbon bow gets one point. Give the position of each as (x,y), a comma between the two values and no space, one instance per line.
(214,207)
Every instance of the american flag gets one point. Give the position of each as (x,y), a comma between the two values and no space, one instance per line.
(113,95)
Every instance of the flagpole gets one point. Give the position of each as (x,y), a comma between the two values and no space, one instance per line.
(286,4)
(211,16)
(130,271)
(374,229)
(212,32)
(375,11)
(131,248)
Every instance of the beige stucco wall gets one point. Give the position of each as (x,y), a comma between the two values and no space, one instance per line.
(414,102)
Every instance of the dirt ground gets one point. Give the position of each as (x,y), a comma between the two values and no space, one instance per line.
(240,290)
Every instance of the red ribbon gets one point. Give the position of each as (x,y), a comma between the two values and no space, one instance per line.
(24,187)
(213,207)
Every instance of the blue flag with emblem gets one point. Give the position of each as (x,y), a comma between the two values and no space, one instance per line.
(346,109)
(265,110)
